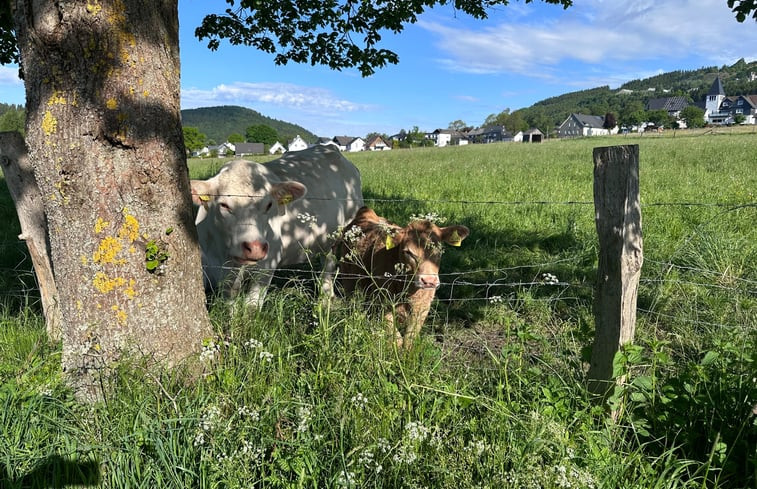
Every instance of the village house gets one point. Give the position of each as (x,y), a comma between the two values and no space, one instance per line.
(349,143)
(297,144)
(582,125)
(377,143)
(493,134)
(721,109)
(277,148)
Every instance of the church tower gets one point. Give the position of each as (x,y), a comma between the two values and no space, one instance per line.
(715,97)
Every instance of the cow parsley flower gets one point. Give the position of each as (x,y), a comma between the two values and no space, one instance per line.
(305,415)
(346,479)
(266,356)
(253,344)
(415,431)
(307,219)
(430,217)
(359,400)
(247,412)
(495,299)
(353,235)
(209,351)
(549,279)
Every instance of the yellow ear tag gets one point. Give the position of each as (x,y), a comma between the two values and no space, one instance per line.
(455,239)
(285,199)
(389,242)
(204,198)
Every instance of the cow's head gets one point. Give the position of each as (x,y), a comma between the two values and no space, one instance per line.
(419,250)
(237,207)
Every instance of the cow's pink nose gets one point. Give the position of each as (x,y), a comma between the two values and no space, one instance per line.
(429,281)
(254,250)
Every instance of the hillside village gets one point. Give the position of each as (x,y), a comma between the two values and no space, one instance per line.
(715,108)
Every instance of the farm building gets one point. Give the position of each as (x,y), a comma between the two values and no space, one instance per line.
(581,125)
(244,149)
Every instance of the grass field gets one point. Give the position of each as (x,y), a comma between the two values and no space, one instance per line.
(299,394)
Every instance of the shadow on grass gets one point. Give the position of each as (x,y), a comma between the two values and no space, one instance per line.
(55,472)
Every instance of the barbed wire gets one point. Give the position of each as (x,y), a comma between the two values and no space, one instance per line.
(733,205)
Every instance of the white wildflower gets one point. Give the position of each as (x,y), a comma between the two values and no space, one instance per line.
(383,445)
(247,412)
(346,479)
(307,218)
(415,431)
(305,415)
(209,351)
(549,279)
(476,447)
(405,455)
(266,356)
(353,235)
(253,344)
(430,217)
(495,299)
(359,400)
(199,439)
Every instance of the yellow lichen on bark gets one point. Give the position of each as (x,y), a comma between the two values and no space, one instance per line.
(107,251)
(105,284)
(49,123)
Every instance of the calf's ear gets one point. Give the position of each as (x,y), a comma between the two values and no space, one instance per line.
(201,192)
(454,235)
(287,192)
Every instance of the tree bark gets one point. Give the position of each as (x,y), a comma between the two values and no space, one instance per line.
(105,141)
(19,177)
(618,220)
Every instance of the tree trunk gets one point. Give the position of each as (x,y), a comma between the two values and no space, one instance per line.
(19,177)
(104,137)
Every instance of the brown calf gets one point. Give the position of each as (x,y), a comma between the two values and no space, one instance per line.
(400,264)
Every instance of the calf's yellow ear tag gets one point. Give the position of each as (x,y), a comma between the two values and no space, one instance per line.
(204,198)
(285,199)
(389,242)
(455,239)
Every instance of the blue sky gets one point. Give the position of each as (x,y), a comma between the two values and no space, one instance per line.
(453,67)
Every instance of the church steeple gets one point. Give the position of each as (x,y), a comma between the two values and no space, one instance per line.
(715,97)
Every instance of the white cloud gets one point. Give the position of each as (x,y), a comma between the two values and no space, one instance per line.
(608,34)
(9,76)
(285,95)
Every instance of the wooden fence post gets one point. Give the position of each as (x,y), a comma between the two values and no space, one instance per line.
(19,177)
(618,220)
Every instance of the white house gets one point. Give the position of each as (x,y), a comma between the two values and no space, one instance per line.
(297,144)
(277,148)
(349,143)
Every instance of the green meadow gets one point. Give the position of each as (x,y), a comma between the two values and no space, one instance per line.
(307,394)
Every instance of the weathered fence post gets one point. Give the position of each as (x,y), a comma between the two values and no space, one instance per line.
(618,220)
(25,193)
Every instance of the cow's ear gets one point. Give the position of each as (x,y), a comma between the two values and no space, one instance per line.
(287,192)
(454,235)
(201,192)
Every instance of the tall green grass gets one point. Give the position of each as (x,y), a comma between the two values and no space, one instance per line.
(307,394)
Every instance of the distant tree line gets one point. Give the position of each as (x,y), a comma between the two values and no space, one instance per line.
(12,117)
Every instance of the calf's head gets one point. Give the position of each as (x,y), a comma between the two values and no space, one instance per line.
(236,220)
(419,250)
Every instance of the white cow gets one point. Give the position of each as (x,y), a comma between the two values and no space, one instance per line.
(256,217)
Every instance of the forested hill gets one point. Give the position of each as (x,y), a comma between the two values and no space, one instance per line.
(218,123)
(633,95)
